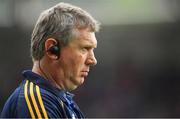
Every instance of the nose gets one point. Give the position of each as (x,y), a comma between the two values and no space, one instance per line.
(91,60)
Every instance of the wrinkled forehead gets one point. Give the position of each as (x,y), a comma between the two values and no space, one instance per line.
(85,36)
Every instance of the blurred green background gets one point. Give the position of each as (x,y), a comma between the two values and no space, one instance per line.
(138,70)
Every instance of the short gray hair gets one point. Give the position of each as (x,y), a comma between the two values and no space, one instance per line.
(59,22)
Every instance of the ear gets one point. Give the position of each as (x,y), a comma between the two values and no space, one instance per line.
(47,45)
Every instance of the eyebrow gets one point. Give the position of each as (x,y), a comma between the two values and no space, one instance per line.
(91,43)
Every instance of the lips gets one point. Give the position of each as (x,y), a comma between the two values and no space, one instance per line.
(85,73)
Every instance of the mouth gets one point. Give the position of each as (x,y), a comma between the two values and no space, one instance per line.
(84,73)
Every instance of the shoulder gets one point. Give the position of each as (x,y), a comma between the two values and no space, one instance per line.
(41,102)
(31,101)
(9,109)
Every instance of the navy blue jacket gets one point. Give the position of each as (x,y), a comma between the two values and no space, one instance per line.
(37,98)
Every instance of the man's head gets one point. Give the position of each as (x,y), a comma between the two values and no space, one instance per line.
(63,40)
(59,22)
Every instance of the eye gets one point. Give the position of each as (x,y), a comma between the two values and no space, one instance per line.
(86,49)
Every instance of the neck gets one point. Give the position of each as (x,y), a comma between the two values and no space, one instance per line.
(40,69)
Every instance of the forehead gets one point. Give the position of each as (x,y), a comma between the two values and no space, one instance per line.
(84,36)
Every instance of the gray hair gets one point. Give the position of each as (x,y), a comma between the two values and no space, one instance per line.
(59,22)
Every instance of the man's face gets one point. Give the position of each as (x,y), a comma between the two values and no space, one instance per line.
(77,57)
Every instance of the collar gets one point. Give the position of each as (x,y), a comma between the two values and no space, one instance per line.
(47,85)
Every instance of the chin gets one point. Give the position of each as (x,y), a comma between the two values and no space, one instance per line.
(77,84)
(80,81)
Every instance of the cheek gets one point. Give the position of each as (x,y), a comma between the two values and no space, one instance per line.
(73,61)
(78,61)
(78,64)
